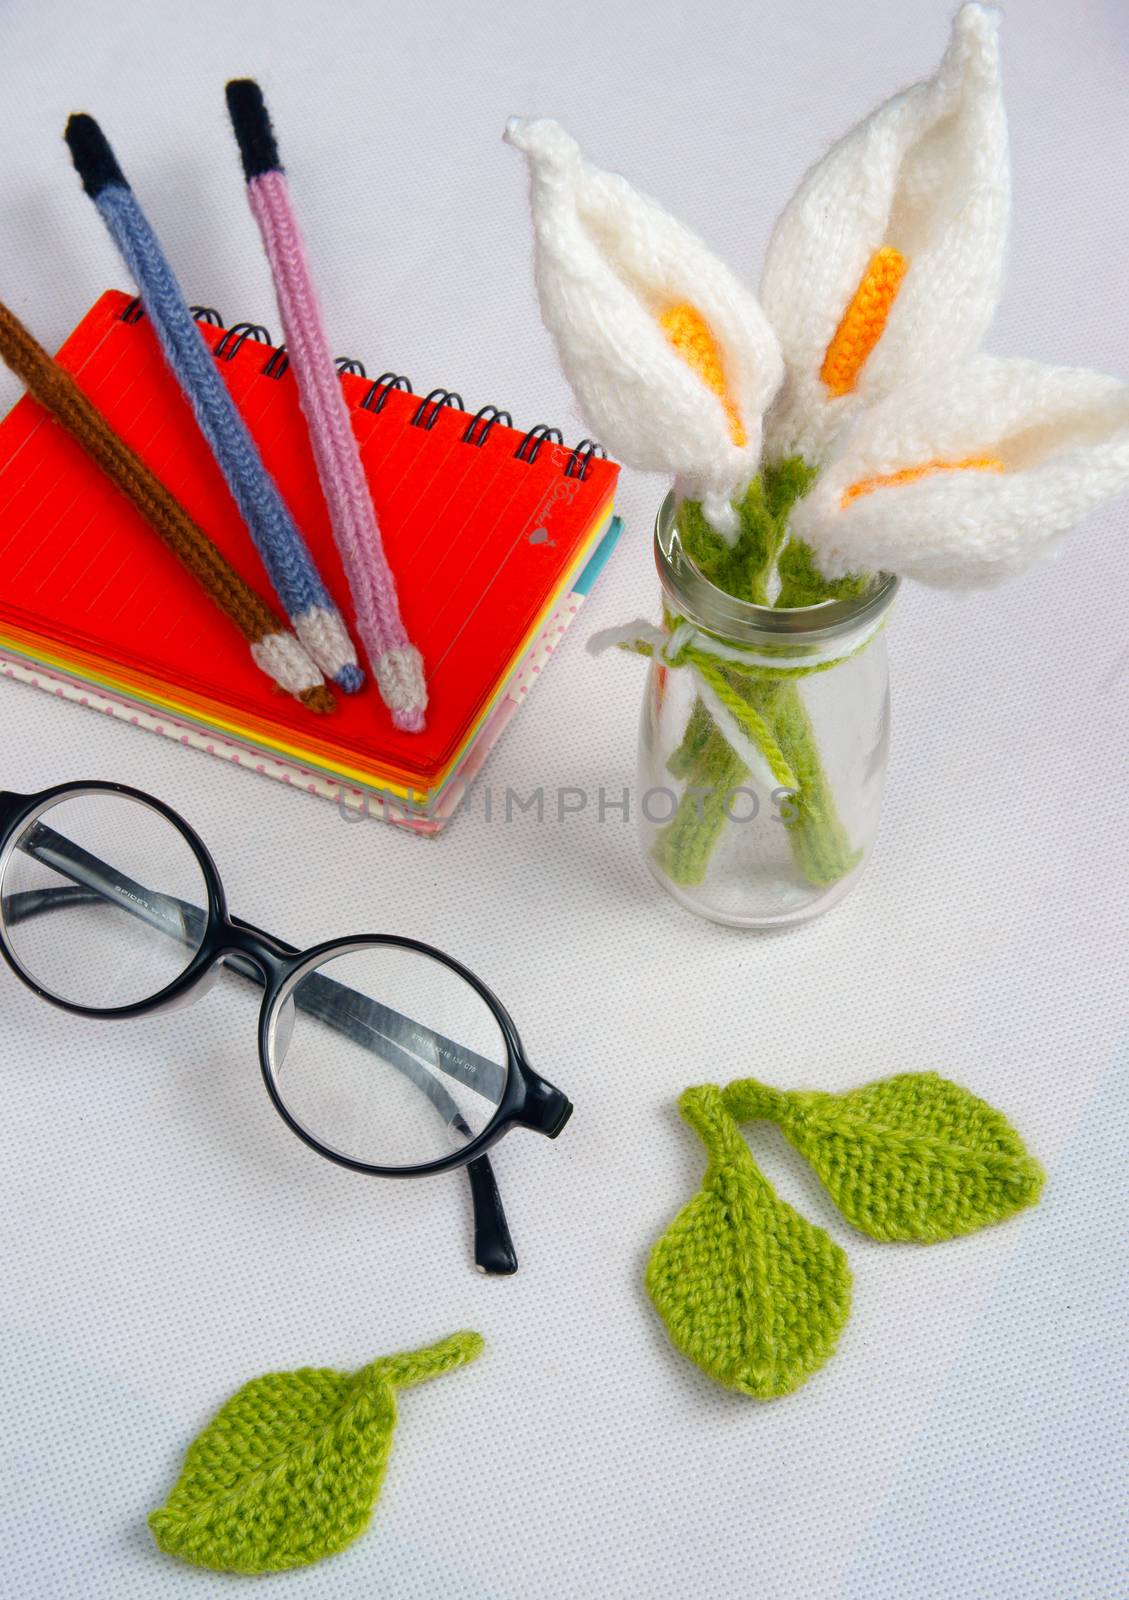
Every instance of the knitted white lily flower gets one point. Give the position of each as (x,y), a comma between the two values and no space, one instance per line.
(882,276)
(888,260)
(671,358)
(969,474)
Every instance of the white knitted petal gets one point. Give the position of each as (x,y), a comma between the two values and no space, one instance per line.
(927,174)
(1060,435)
(609,263)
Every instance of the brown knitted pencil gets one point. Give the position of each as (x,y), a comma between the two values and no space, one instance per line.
(274,648)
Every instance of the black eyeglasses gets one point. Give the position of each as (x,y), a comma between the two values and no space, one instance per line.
(383,1054)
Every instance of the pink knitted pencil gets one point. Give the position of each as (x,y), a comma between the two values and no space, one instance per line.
(396,663)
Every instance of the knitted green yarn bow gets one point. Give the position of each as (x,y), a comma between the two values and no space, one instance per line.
(289,1469)
(757,1296)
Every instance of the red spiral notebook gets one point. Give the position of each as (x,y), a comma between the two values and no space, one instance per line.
(487,529)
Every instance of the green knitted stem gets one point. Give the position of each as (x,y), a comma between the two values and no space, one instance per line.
(684,847)
(703,1108)
(749,1100)
(802,584)
(820,845)
(777,720)
(409,1367)
(698,730)
(818,840)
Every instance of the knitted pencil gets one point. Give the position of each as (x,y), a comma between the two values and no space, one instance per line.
(394,659)
(273,647)
(288,562)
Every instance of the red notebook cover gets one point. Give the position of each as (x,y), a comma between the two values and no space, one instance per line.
(482,540)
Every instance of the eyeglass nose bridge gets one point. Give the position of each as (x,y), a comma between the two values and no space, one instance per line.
(271,955)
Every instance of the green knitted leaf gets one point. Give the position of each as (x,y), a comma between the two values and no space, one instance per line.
(910,1157)
(749,1291)
(289,1469)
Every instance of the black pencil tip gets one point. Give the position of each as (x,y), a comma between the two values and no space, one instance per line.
(90,150)
(251,121)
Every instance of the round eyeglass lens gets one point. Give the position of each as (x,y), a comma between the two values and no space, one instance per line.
(102,900)
(386,1056)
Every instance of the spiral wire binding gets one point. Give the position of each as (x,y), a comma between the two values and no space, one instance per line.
(233,340)
(530,447)
(581,456)
(277,364)
(379,391)
(487,416)
(426,414)
(436,400)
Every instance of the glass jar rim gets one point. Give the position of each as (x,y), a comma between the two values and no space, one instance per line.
(711,608)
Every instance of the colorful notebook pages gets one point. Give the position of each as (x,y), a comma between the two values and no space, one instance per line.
(487,530)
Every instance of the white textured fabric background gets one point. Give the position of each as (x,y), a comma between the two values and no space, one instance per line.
(165,1238)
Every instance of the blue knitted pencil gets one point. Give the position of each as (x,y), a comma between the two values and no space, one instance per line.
(284,554)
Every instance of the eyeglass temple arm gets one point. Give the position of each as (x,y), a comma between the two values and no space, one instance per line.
(334,1003)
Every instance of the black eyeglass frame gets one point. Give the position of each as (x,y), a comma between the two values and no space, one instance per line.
(528,1100)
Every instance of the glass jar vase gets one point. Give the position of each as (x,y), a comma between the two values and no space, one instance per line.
(763,744)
